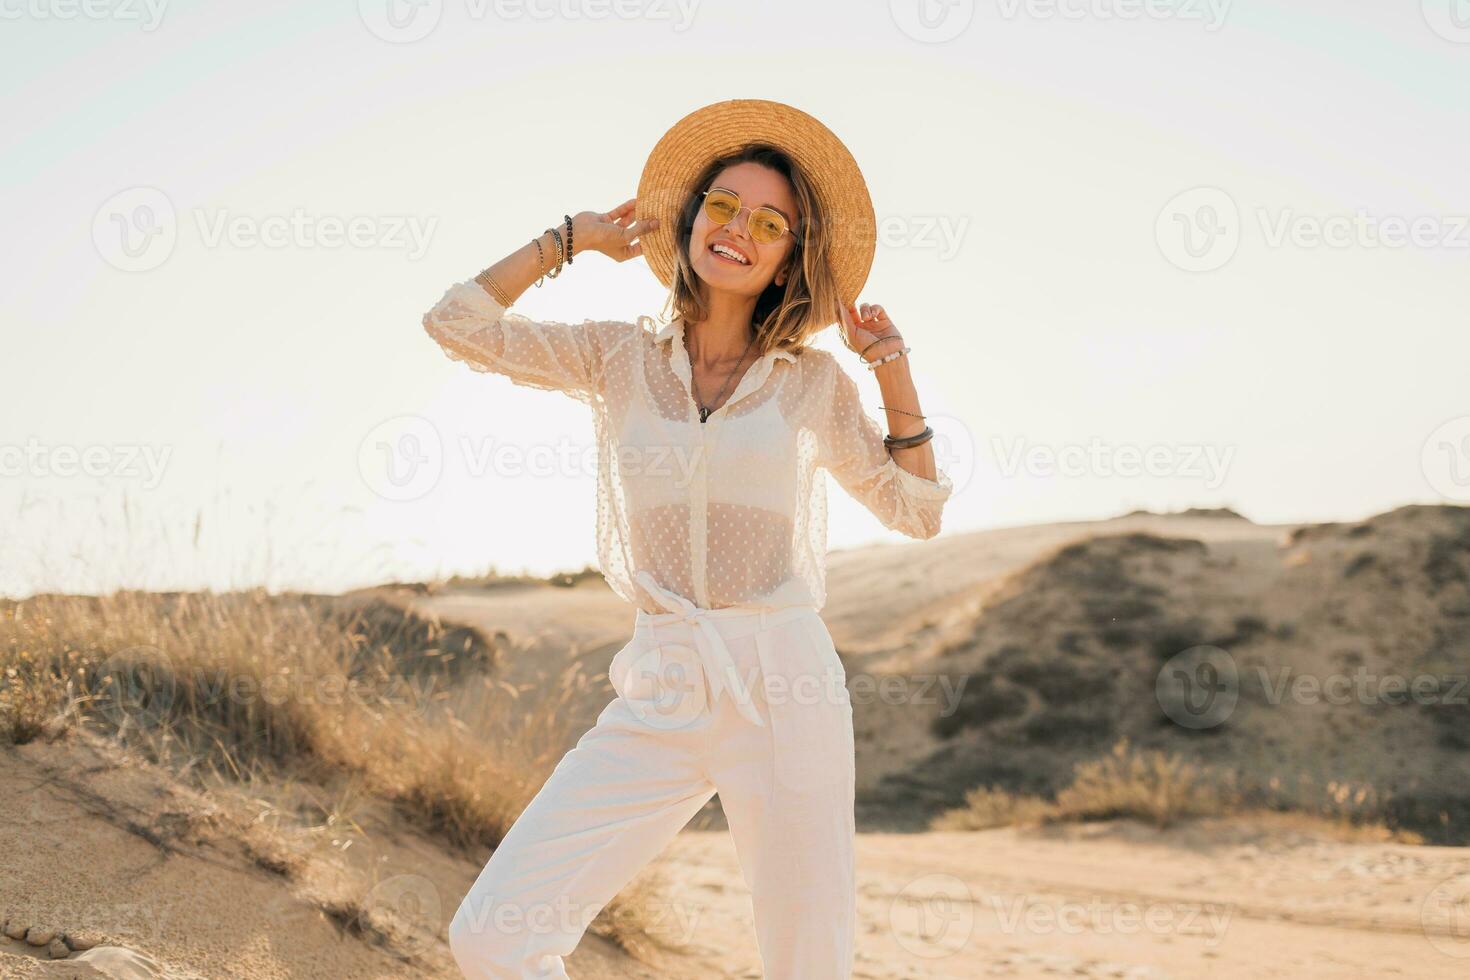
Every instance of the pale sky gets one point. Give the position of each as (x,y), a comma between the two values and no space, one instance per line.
(1225,240)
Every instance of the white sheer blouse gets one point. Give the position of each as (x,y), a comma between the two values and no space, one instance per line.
(726,512)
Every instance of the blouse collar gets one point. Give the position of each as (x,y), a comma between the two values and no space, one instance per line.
(676,326)
(754,377)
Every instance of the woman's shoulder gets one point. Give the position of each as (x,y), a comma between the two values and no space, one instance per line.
(814,378)
(818,365)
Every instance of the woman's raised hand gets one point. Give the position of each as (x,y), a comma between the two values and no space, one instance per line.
(861,325)
(613,233)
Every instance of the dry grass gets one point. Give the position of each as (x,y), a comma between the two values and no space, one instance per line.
(250,685)
(986,807)
(1163,789)
(1156,787)
(251,688)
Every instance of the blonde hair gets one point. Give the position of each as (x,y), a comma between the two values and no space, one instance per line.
(785,316)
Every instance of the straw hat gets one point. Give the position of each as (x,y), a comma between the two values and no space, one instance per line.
(723,127)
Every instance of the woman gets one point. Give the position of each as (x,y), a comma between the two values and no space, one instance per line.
(713,432)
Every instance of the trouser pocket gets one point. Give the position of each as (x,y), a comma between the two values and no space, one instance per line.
(661,681)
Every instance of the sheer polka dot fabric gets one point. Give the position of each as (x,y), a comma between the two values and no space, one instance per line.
(729,511)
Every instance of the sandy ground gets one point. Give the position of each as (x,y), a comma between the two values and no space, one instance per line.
(101,845)
(1215,899)
(92,846)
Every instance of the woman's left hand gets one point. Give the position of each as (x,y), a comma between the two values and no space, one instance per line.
(865,324)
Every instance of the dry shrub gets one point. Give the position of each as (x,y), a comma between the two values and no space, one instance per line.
(1156,787)
(1163,789)
(987,807)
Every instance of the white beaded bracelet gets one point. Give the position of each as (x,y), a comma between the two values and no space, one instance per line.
(888,357)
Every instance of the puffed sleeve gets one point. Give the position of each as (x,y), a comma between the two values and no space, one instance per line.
(471,326)
(850,446)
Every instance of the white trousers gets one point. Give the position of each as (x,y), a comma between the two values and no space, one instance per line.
(747,701)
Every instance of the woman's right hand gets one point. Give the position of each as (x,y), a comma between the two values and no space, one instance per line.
(612,233)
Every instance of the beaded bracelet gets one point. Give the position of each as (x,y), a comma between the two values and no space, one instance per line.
(888,357)
(570,253)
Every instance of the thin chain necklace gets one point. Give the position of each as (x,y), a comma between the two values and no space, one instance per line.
(704,412)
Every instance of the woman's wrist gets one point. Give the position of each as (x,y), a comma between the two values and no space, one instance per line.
(878,347)
(886,356)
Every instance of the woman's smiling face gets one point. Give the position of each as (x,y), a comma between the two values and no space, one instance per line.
(757,186)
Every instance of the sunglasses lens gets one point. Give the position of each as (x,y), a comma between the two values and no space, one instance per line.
(721,206)
(766,226)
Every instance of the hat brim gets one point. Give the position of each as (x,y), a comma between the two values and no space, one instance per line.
(724,127)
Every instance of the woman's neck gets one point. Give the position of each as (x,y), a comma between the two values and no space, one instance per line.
(724,335)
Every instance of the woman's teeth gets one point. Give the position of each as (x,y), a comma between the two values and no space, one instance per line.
(725,253)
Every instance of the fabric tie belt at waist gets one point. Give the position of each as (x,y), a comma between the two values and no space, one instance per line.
(709,642)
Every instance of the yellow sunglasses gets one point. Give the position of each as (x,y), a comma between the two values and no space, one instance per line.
(767,225)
